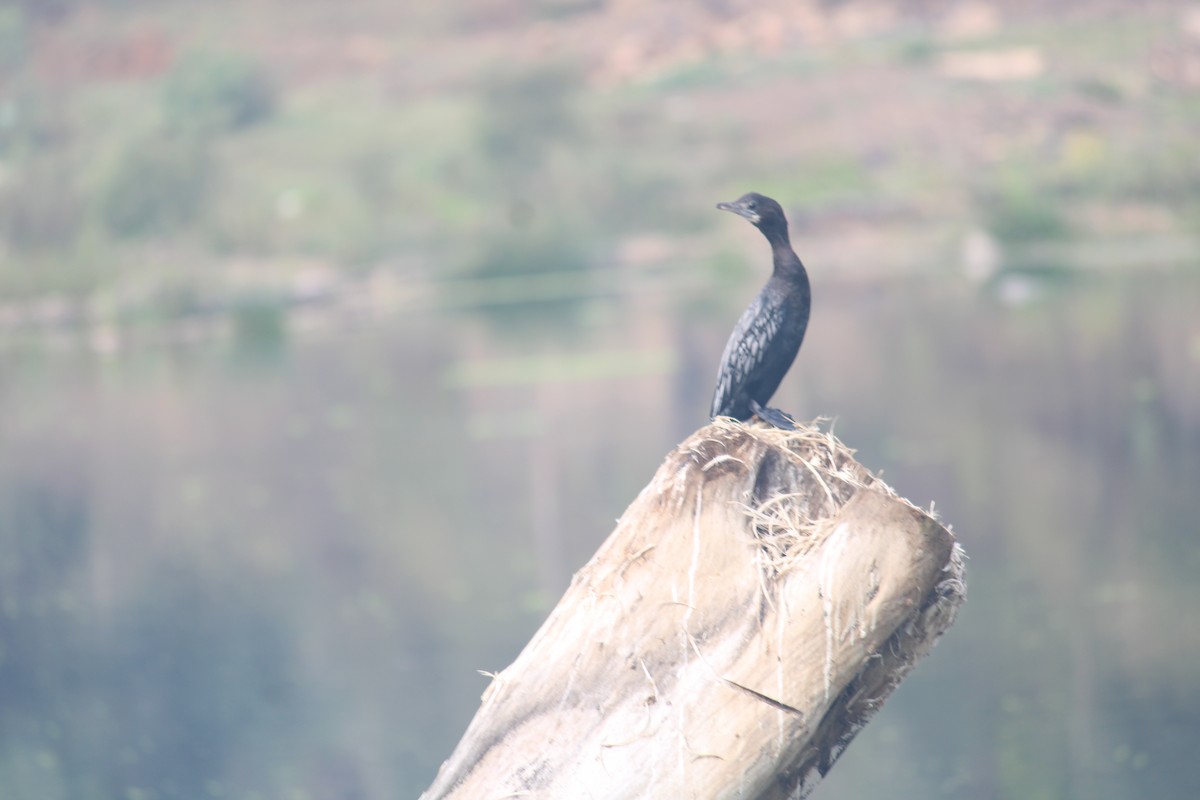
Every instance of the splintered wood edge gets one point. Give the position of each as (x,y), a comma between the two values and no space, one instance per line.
(832,462)
(867,691)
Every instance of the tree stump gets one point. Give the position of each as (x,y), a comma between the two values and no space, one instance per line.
(755,605)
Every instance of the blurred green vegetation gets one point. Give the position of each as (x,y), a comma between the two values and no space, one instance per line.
(221,153)
(525,114)
(1016,213)
(211,94)
(42,207)
(13,34)
(158,186)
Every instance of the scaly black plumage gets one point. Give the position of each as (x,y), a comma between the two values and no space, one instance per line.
(767,337)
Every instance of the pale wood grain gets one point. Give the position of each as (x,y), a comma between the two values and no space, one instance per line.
(755,604)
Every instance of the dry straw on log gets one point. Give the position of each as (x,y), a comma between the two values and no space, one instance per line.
(754,606)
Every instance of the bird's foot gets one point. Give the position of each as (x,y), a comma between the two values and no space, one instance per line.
(773,416)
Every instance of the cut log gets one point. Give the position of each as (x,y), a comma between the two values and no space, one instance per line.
(754,606)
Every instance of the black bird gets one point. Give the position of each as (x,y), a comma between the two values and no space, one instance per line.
(767,337)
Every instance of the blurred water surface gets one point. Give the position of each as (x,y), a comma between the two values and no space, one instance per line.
(270,563)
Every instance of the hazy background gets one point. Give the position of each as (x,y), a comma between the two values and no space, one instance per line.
(335,336)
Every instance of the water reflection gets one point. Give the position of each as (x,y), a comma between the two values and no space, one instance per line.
(269,564)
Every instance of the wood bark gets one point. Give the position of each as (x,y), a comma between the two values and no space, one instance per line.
(754,606)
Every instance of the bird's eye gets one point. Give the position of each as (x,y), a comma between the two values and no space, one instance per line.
(752,205)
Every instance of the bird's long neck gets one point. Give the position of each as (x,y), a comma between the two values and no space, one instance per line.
(787,263)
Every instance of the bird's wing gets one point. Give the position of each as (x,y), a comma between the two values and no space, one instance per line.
(745,351)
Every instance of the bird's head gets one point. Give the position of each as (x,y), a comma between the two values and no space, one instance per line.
(763,212)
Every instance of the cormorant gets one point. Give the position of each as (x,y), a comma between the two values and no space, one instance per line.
(767,337)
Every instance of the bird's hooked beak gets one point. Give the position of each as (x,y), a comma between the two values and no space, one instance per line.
(742,209)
